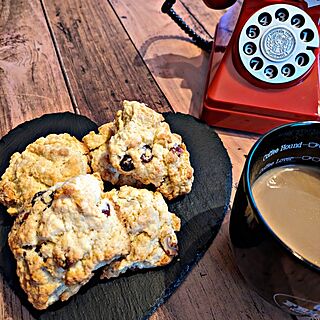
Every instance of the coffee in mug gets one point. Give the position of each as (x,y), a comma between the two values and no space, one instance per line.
(288,199)
(275,218)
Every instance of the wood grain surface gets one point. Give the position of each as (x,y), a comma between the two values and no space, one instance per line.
(179,67)
(214,289)
(31,84)
(107,51)
(100,61)
(30,79)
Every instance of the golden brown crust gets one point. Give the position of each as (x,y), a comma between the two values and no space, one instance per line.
(139,150)
(93,140)
(150,226)
(99,156)
(73,228)
(45,162)
(69,232)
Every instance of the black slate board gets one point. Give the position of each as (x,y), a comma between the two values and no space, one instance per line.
(134,295)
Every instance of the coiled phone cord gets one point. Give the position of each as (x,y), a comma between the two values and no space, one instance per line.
(197,40)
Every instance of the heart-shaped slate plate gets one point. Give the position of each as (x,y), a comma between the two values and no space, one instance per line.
(134,295)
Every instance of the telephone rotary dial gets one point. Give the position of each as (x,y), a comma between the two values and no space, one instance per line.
(276,43)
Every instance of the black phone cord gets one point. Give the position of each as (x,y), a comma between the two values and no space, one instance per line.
(197,40)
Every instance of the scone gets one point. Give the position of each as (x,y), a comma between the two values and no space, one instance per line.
(139,148)
(69,232)
(41,165)
(150,226)
(99,156)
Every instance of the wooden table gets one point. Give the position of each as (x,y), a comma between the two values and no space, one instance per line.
(87,56)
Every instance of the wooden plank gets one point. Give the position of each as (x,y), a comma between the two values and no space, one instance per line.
(101,62)
(166,49)
(89,68)
(214,290)
(31,82)
(238,145)
(179,67)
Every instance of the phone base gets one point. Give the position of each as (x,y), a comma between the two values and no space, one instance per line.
(230,104)
(221,114)
(242,121)
(233,102)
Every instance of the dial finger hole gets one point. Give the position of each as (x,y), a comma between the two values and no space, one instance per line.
(249,48)
(265,18)
(306,35)
(270,72)
(302,59)
(288,70)
(253,32)
(282,15)
(256,63)
(298,21)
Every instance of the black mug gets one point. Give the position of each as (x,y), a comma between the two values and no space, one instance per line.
(273,269)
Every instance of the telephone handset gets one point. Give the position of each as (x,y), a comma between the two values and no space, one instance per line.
(269,74)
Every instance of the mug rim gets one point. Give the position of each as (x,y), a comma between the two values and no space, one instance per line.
(252,202)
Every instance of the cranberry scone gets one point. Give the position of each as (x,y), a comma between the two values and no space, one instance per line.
(150,227)
(41,165)
(139,148)
(69,232)
(100,158)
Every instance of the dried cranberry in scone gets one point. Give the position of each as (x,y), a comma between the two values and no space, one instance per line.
(68,233)
(144,148)
(150,226)
(147,154)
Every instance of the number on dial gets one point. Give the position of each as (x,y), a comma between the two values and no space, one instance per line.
(302,59)
(264,19)
(282,15)
(256,63)
(253,32)
(270,72)
(306,35)
(288,70)
(249,48)
(297,21)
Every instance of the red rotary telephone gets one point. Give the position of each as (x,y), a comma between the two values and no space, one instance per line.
(269,74)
